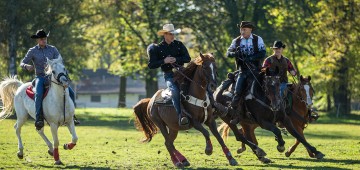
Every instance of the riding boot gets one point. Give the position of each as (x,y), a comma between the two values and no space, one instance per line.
(235,109)
(72,96)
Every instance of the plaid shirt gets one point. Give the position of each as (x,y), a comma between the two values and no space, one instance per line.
(38,56)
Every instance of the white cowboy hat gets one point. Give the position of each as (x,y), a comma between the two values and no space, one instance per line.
(168,28)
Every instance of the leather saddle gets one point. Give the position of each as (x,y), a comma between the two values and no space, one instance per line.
(30,90)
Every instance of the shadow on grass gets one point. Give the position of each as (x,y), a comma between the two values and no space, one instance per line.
(325,160)
(69,167)
(112,121)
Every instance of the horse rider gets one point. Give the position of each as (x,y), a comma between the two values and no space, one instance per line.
(170,53)
(38,55)
(248,49)
(284,65)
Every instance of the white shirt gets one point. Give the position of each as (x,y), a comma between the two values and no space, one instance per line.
(246,45)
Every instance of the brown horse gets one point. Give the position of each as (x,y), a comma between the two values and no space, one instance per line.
(302,94)
(202,75)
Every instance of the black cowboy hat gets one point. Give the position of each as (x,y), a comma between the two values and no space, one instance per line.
(39,34)
(246,24)
(278,44)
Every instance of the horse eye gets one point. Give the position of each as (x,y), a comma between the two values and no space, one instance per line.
(53,72)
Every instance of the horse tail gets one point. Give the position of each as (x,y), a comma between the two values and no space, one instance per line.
(143,121)
(225,130)
(8,89)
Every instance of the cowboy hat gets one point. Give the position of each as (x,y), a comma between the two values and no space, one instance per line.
(246,24)
(39,34)
(168,28)
(278,44)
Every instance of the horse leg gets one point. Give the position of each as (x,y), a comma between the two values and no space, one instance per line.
(54,132)
(249,132)
(70,145)
(181,158)
(213,129)
(47,141)
(19,123)
(290,127)
(199,127)
(240,137)
(278,137)
(297,142)
(243,146)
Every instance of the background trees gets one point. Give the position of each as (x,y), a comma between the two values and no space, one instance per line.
(321,36)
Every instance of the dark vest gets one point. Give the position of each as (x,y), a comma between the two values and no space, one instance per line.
(282,66)
(254,42)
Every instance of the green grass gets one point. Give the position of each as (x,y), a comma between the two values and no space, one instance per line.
(108,140)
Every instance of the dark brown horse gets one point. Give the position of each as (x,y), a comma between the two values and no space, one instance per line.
(263,113)
(202,72)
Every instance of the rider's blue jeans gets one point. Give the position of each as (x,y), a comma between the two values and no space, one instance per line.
(169,79)
(39,92)
(283,87)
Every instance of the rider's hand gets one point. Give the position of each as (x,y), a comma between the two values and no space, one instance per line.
(29,67)
(293,73)
(170,60)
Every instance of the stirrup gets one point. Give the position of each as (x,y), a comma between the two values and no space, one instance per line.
(184,121)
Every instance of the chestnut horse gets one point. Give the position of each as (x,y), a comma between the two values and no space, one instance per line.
(202,75)
(257,117)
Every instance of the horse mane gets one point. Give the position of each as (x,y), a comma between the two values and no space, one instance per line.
(48,69)
(189,70)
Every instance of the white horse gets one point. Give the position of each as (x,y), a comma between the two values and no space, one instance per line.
(13,95)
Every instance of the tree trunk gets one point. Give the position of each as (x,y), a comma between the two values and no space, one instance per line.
(328,99)
(151,83)
(122,92)
(341,90)
(12,37)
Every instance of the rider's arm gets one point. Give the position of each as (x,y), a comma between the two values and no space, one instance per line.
(267,63)
(154,61)
(184,56)
(26,60)
(291,68)
(231,52)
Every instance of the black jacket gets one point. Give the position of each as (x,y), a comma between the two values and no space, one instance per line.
(157,54)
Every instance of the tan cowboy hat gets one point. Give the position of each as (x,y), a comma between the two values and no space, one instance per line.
(170,29)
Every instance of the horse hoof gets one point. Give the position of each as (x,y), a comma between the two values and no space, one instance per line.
(20,156)
(50,153)
(241,150)
(319,155)
(287,154)
(280,148)
(186,163)
(179,165)
(58,163)
(208,151)
(233,162)
(265,160)
(259,152)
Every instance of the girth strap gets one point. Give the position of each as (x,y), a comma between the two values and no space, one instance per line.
(200,103)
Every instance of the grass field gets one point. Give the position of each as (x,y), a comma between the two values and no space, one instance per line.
(108,140)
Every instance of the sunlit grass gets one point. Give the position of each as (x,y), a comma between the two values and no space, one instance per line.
(109,140)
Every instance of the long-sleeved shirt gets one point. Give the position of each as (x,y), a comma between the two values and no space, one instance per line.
(247,50)
(283,66)
(175,49)
(38,56)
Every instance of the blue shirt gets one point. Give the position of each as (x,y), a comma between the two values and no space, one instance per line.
(38,56)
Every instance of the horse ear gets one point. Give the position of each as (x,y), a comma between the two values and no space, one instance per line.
(309,78)
(202,56)
(301,78)
(48,61)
